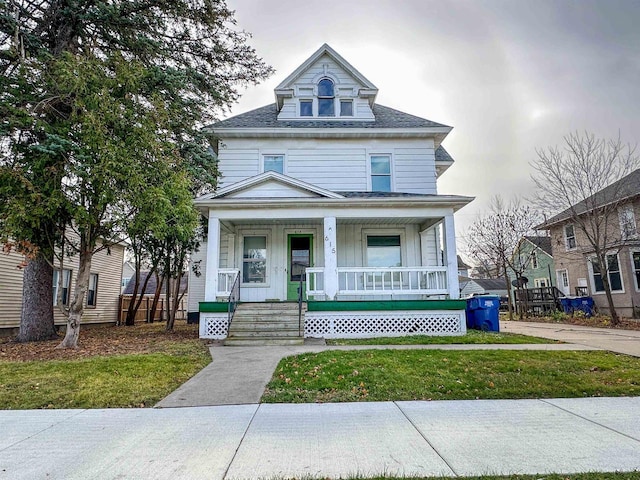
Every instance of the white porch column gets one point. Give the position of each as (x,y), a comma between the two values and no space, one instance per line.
(213,259)
(451,257)
(330,258)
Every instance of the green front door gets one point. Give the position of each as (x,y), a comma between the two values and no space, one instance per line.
(299,256)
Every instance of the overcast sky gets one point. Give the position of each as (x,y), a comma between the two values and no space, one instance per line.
(509,76)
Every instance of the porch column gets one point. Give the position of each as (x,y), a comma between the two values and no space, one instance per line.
(213,259)
(451,257)
(330,258)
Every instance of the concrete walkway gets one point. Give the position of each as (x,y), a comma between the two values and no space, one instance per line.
(614,340)
(238,375)
(279,441)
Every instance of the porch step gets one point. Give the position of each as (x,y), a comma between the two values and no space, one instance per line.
(274,323)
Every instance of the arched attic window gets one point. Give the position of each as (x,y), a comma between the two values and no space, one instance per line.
(326,96)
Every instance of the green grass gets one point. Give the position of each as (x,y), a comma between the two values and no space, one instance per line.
(471,337)
(383,375)
(138,380)
(550,476)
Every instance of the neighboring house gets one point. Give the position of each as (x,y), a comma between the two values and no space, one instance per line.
(328,178)
(152,284)
(576,269)
(463,268)
(482,286)
(535,251)
(149,293)
(128,271)
(101,300)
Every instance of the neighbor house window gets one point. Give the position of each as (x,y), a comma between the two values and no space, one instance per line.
(380,173)
(627,222)
(306,108)
(534,260)
(254,260)
(273,163)
(326,97)
(569,237)
(541,282)
(635,264)
(65,285)
(615,280)
(346,108)
(92,291)
(383,251)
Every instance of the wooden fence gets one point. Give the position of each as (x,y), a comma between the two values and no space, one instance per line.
(144,311)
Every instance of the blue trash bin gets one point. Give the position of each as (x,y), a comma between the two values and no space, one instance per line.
(567,304)
(585,304)
(483,313)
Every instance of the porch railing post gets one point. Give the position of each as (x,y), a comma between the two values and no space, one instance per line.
(330,258)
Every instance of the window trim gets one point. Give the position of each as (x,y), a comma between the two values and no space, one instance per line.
(65,299)
(566,271)
(622,212)
(592,282)
(95,294)
(385,232)
(310,100)
(255,233)
(534,261)
(566,238)
(636,281)
(392,186)
(326,97)
(273,154)
(349,100)
(537,281)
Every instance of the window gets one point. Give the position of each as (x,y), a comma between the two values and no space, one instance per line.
(254,260)
(380,173)
(66,283)
(383,251)
(92,291)
(346,108)
(273,163)
(326,97)
(615,280)
(541,282)
(635,264)
(306,108)
(569,237)
(627,222)
(534,261)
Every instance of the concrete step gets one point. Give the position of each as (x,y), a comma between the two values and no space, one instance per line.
(264,317)
(270,306)
(265,333)
(252,342)
(263,325)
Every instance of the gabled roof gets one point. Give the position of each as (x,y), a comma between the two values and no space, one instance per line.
(543,243)
(624,188)
(151,286)
(385,117)
(270,176)
(461,264)
(490,283)
(325,50)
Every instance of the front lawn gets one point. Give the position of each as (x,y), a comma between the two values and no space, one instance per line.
(471,337)
(550,476)
(114,367)
(385,375)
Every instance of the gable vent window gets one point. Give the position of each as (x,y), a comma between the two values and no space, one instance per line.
(326,97)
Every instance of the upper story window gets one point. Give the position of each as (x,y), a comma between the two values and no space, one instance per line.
(346,108)
(627,220)
(569,237)
(306,108)
(273,163)
(326,96)
(380,173)
(534,260)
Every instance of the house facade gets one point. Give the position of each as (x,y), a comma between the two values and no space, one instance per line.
(576,268)
(534,252)
(327,187)
(102,298)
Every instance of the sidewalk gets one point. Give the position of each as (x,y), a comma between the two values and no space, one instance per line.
(619,341)
(323,440)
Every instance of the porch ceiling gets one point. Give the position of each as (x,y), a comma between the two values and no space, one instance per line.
(340,221)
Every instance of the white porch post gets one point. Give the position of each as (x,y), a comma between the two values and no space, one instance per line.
(213,259)
(452,259)
(330,258)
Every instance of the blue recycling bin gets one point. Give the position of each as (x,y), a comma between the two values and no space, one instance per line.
(584,304)
(566,304)
(483,313)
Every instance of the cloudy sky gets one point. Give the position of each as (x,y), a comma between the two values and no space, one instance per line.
(510,76)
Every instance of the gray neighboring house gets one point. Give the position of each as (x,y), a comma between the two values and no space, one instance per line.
(489,286)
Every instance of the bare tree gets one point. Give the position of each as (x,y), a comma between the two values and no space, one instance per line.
(495,236)
(587,180)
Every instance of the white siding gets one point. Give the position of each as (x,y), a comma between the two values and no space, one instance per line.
(336,165)
(109,270)
(272,189)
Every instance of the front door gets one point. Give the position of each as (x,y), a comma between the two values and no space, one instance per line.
(562,276)
(299,256)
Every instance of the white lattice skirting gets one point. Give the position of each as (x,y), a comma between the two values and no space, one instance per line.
(384,324)
(213,325)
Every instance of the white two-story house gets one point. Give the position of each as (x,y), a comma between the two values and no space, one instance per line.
(328,187)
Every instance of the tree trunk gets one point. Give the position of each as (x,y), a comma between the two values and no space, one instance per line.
(76,309)
(615,319)
(156,297)
(36,319)
(509,295)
